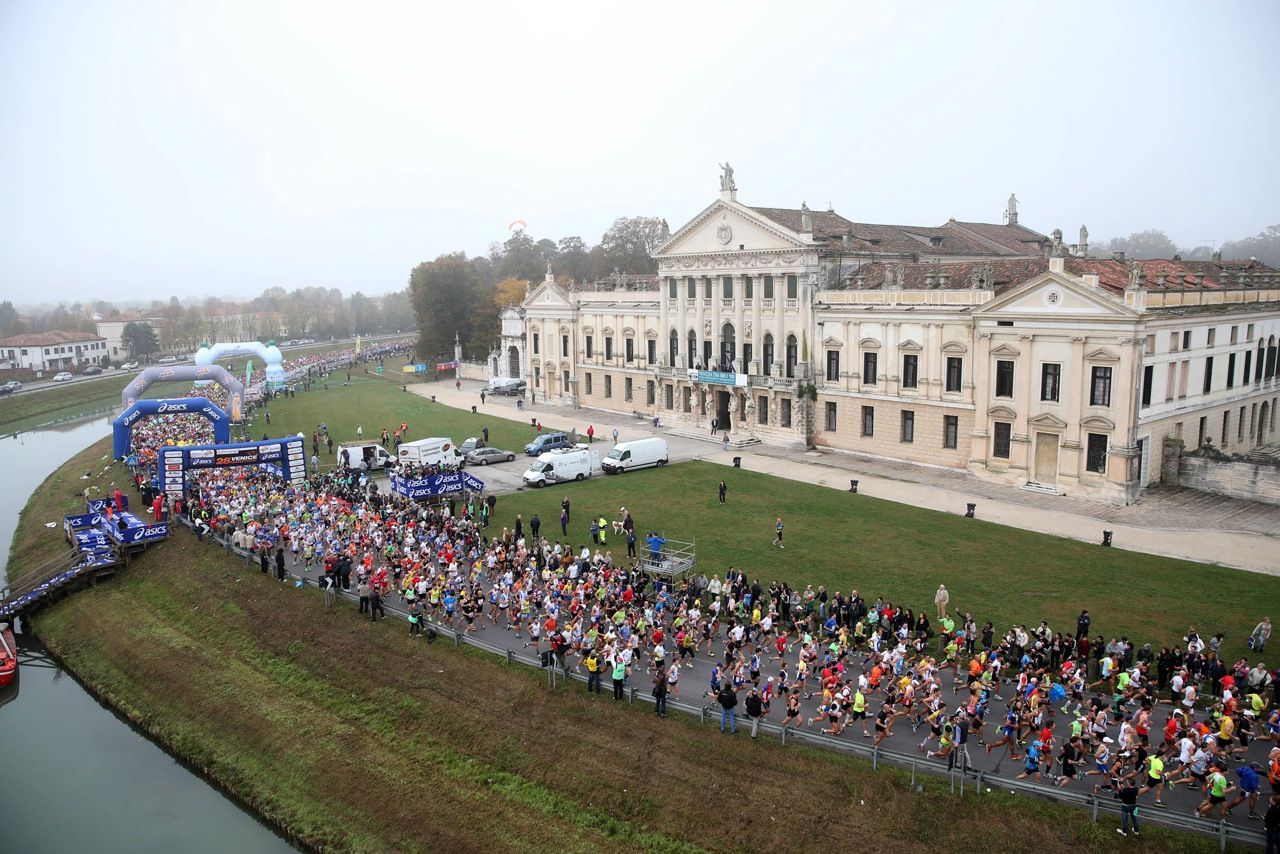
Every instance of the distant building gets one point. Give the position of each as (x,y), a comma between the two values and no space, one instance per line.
(507,360)
(987,348)
(112,329)
(52,351)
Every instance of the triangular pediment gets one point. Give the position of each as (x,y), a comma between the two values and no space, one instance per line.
(1005,350)
(724,227)
(1002,412)
(1102,355)
(1056,294)
(910,346)
(832,343)
(548,294)
(1047,419)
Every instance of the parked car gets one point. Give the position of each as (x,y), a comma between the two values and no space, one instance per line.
(61,376)
(471,444)
(508,388)
(10,387)
(547,442)
(167,360)
(484,456)
(129,366)
(91,371)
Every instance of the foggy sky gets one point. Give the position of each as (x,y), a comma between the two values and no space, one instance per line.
(152,148)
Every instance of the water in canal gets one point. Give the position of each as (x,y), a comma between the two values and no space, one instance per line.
(73,776)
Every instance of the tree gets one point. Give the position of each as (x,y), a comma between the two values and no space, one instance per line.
(1151,243)
(509,291)
(522,258)
(443,293)
(139,339)
(10,323)
(573,258)
(630,241)
(1265,247)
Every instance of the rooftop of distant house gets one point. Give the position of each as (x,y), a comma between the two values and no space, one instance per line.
(57,337)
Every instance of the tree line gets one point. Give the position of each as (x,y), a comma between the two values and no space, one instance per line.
(455,294)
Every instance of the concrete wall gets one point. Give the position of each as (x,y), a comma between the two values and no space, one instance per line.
(1235,478)
(473,371)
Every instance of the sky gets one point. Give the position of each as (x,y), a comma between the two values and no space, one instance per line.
(202,149)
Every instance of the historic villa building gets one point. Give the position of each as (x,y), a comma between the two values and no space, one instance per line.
(975,346)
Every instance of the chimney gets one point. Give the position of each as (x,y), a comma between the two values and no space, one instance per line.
(1090,280)
(1117,256)
(1217,256)
(846,240)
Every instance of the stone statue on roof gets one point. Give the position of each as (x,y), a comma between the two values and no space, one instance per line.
(726,179)
(1011,210)
(1135,274)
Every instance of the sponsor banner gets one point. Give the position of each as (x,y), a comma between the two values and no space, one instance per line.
(446,366)
(433,485)
(719,378)
(80,520)
(142,533)
(237,456)
(97,505)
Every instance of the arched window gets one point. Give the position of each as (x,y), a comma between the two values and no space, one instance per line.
(673,348)
(791,356)
(728,348)
(692,352)
(768,354)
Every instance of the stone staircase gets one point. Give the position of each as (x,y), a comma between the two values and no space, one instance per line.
(736,442)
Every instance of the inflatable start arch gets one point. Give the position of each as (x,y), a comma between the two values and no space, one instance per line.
(187,373)
(269,353)
(123,427)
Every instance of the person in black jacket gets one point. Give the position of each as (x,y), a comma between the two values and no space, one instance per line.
(728,700)
(280,563)
(262,561)
(660,692)
(755,709)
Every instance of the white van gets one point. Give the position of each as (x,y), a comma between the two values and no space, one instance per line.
(562,465)
(431,452)
(364,456)
(639,454)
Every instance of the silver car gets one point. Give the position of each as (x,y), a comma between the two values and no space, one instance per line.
(484,456)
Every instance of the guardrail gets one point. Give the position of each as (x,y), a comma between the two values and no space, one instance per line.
(960,777)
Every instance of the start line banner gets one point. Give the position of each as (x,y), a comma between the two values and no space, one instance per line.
(436,484)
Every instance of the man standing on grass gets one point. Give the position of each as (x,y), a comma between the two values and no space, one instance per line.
(941,598)
(1261,633)
(728,699)
(723,490)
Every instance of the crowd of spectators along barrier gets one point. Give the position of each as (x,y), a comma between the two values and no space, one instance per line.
(977,781)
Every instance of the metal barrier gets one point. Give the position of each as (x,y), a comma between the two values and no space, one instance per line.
(979,781)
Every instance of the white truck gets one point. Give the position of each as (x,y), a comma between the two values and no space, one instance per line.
(562,465)
(431,452)
(364,456)
(638,454)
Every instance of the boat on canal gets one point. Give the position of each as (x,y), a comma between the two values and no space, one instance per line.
(8,655)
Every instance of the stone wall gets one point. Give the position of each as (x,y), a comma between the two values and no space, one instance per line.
(473,371)
(1210,472)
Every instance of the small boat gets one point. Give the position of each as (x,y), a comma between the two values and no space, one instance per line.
(8,655)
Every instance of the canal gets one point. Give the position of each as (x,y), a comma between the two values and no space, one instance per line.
(73,776)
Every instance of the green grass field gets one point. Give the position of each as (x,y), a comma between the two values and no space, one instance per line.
(839,540)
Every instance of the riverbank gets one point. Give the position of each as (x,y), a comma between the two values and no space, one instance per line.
(353,736)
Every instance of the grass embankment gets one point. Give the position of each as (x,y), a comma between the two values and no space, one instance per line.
(51,402)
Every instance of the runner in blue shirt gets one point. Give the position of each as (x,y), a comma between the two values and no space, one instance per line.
(1249,783)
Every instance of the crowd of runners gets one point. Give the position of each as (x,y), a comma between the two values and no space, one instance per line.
(1074,708)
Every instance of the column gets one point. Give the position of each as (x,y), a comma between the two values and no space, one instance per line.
(892,359)
(683,330)
(779,326)
(849,336)
(1020,447)
(740,319)
(664,316)
(980,370)
(699,318)
(717,285)
(757,334)
(930,358)
(1075,385)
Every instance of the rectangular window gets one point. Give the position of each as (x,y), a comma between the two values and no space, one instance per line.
(748,286)
(908,433)
(833,365)
(726,287)
(651,348)
(784,416)
(629,347)
(1184,372)
(1149,346)
(1000,436)
(868,368)
(1208,376)
(1186,340)
(910,370)
(791,286)
(591,346)
(608,385)
(672,289)
(669,395)
(706,287)
(955,371)
(1240,426)
(706,354)
(1004,378)
(564,378)
(1050,381)
(564,346)
(608,347)
(626,389)
(762,409)
(1248,364)
(1231,368)
(536,341)
(1213,335)
(868,420)
(1226,426)
(1096,455)
(1100,388)
(746,358)
(1235,333)
(950,431)
(687,399)
(1171,381)
(537,377)
(768,287)
(831,416)
(1204,429)
(1173,342)
(587,378)
(1148,377)
(1248,332)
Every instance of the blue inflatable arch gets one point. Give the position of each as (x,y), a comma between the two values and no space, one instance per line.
(123,427)
(201,375)
(270,354)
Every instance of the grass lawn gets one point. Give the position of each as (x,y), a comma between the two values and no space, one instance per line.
(52,402)
(840,540)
